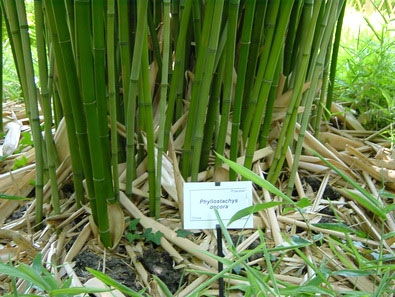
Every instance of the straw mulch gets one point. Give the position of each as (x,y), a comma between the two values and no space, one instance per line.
(365,156)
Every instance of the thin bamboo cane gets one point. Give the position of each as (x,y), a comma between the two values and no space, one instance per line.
(212,114)
(66,55)
(175,16)
(86,67)
(162,102)
(197,29)
(112,94)
(196,88)
(9,10)
(241,81)
(257,38)
(270,104)
(32,95)
(317,113)
(146,99)
(46,103)
(131,106)
(68,115)
(267,79)
(335,53)
(233,11)
(99,62)
(308,22)
(205,89)
(154,37)
(291,36)
(318,67)
(124,48)
(273,14)
(178,70)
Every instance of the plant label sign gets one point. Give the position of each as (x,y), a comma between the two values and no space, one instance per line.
(200,200)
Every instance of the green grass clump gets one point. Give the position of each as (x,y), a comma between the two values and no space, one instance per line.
(366,71)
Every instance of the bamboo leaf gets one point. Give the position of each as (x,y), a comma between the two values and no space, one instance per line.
(110,282)
(253,209)
(340,228)
(11,197)
(367,204)
(248,174)
(163,286)
(78,290)
(353,273)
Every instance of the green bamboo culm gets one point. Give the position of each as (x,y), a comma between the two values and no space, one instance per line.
(70,80)
(274,13)
(132,95)
(61,86)
(310,95)
(33,103)
(112,95)
(86,75)
(99,62)
(145,98)
(178,70)
(308,21)
(335,53)
(233,10)
(275,50)
(124,48)
(261,21)
(162,102)
(241,81)
(13,31)
(205,89)
(46,103)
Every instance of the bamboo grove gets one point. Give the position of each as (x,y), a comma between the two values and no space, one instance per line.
(206,72)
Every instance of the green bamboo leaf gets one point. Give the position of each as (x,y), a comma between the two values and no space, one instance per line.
(248,174)
(372,199)
(295,290)
(110,282)
(78,290)
(304,202)
(163,286)
(16,272)
(389,235)
(253,209)
(339,227)
(368,204)
(12,197)
(389,208)
(353,273)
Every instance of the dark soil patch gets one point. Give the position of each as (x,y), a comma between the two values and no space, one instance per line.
(161,264)
(116,268)
(329,192)
(18,213)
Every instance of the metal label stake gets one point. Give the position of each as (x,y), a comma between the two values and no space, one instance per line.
(220,264)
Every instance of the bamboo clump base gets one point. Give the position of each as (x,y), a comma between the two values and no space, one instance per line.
(364,156)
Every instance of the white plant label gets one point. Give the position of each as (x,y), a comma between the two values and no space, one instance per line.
(200,200)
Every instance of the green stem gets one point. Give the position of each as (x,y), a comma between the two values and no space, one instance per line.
(228,77)
(267,79)
(32,95)
(131,106)
(162,102)
(241,81)
(46,103)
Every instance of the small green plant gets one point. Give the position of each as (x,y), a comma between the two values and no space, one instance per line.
(365,72)
(20,162)
(42,282)
(147,235)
